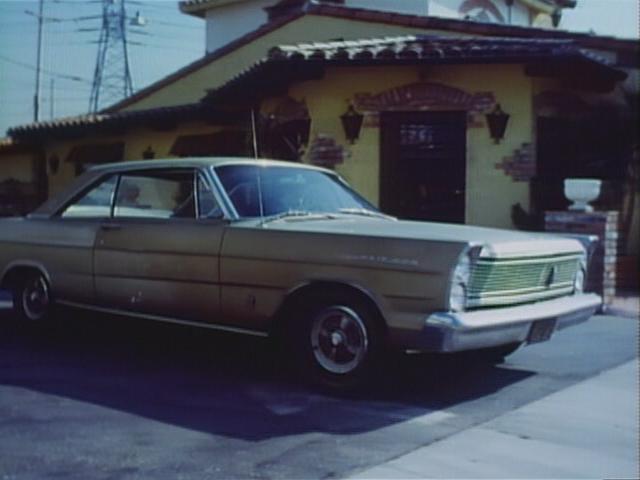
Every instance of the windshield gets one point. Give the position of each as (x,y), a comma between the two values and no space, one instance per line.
(287,189)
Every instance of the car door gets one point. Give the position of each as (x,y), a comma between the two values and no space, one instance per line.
(159,253)
(66,241)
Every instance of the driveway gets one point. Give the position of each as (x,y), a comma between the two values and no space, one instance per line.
(109,397)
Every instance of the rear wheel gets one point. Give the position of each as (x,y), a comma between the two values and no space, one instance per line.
(337,340)
(31,298)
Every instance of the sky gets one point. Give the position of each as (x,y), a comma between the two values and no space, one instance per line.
(170,40)
(167,42)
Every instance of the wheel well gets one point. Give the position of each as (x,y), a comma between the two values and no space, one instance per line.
(15,275)
(297,297)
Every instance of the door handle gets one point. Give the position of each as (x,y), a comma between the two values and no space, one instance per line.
(110,226)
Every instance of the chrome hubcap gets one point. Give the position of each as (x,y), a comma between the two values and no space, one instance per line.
(35,299)
(339,340)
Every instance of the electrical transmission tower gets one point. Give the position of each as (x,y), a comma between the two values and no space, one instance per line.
(112,76)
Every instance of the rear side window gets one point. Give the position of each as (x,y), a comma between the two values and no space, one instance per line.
(96,203)
(156,195)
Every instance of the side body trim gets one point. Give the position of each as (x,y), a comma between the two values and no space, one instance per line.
(211,326)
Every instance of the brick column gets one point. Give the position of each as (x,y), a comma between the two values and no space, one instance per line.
(602,268)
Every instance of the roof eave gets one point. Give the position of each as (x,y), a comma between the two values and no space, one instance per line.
(289,64)
(199,8)
(118,122)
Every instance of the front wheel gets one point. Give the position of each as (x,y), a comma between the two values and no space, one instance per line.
(338,341)
(32,299)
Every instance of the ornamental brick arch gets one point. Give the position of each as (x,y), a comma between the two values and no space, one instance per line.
(425,96)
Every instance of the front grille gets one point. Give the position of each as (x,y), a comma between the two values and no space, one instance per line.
(502,282)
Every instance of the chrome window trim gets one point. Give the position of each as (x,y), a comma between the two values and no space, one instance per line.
(150,173)
(224,201)
(194,191)
(114,196)
(201,175)
(81,192)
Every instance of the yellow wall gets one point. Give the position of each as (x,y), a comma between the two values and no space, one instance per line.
(542,20)
(309,28)
(18,166)
(136,141)
(328,98)
(490,192)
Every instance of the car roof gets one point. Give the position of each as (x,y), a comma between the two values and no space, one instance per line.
(195,162)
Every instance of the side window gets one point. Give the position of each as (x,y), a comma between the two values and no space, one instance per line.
(96,203)
(156,195)
(207,204)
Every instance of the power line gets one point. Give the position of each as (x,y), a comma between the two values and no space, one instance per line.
(51,73)
(81,2)
(170,47)
(16,24)
(157,5)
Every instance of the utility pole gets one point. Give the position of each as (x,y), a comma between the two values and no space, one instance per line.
(112,76)
(52,90)
(36,97)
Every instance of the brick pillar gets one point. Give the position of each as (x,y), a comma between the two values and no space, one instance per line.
(602,268)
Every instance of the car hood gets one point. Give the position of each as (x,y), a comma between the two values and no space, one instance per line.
(498,243)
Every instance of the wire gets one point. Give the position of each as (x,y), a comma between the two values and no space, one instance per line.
(153,22)
(17,24)
(81,2)
(170,47)
(164,36)
(45,71)
(157,5)
(72,44)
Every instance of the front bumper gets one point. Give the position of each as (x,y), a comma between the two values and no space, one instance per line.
(454,332)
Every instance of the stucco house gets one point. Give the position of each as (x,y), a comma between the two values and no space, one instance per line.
(448,110)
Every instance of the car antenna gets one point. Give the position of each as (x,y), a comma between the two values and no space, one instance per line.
(255,156)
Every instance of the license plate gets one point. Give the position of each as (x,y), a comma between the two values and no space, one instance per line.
(541,330)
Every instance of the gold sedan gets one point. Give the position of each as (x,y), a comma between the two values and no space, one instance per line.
(272,248)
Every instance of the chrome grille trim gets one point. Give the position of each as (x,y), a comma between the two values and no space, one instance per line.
(502,282)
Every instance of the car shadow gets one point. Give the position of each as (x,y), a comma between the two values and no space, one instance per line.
(225,384)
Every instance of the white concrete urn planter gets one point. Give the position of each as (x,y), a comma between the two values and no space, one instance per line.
(581,191)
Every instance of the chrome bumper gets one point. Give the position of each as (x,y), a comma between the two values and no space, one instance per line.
(454,332)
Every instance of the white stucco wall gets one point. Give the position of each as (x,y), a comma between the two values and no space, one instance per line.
(228,22)
(518,14)
(414,7)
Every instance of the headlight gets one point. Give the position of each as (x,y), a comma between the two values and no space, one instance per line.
(460,280)
(579,280)
(458,297)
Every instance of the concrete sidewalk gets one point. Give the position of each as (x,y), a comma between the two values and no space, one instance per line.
(589,430)
(625,304)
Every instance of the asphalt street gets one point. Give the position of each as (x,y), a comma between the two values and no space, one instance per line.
(107,397)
